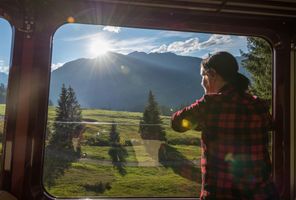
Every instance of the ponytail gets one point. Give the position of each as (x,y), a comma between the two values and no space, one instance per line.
(240,82)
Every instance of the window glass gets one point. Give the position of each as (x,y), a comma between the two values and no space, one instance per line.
(5,49)
(112,92)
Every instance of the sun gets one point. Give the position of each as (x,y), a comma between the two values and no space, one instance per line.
(99,47)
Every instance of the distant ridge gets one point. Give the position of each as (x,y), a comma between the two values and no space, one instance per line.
(122,82)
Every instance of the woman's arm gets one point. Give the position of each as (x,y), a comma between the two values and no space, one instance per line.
(189,117)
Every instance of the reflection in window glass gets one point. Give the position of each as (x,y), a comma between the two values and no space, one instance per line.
(5,46)
(112,93)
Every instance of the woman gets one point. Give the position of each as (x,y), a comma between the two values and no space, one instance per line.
(235,162)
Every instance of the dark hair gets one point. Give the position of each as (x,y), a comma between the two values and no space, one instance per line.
(226,66)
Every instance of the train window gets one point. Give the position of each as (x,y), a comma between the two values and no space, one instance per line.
(5,47)
(112,92)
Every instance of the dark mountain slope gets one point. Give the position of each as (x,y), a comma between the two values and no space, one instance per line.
(122,82)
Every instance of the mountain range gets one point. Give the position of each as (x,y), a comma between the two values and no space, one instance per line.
(122,82)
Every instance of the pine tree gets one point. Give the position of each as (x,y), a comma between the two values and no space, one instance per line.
(61,137)
(75,116)
(66,125)
(114,135)
(258,63)
(62,150)
(150,126)
(74,112)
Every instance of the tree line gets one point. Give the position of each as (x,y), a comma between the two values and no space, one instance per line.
(258,62)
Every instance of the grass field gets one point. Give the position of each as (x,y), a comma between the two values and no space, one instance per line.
(84,179)
(101,152)
(128,124)
(147,179)
(94,179)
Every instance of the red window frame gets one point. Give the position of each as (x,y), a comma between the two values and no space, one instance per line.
(29,77)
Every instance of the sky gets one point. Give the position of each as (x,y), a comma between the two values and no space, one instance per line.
(72,41)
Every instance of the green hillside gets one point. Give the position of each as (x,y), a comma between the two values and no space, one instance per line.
(148,173)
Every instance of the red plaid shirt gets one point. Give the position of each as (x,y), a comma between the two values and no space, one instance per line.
(235,162)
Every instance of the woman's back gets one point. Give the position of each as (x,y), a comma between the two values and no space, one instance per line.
(235,160)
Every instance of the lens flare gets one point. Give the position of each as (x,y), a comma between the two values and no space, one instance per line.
(70,19)
(229,157)
(186,123)
(124,69)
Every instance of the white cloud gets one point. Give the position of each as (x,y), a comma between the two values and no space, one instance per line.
(112,29)
(179,46)
(226,43)
(56,66)
(163,48)
(214,41)
(213,44)
(4,69)
(138,44)
(184,47)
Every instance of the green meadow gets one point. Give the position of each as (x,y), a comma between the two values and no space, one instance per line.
(146,175)
(84,179)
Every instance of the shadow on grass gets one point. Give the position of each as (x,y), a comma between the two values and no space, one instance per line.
(170,157)
(98,188)
(89,120)
(56,162)
(118,154)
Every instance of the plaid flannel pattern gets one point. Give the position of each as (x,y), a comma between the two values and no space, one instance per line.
(235,161)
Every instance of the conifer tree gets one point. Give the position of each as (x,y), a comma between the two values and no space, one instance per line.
(114,135)
(150,126)
(74,111)
(66,125)
(258,63)
(60,150)
(75,116)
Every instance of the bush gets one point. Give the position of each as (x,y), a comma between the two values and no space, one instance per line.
(89,139)
(128,143)
(93,140)
(102,142)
